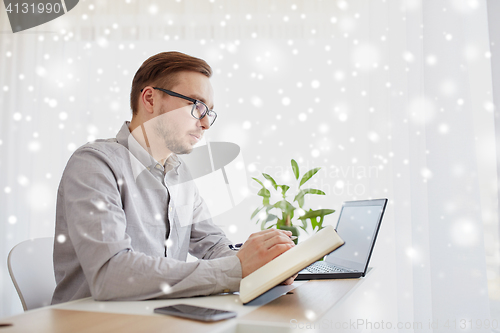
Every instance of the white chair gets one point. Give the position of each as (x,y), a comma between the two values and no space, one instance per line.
(32,271)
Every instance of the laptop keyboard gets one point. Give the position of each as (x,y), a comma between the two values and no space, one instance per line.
(321,267)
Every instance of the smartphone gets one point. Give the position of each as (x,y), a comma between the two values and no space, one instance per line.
(195,312)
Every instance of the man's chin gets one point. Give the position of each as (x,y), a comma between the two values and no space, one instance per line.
(184,151)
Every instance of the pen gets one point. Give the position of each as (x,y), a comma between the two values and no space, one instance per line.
(236,247)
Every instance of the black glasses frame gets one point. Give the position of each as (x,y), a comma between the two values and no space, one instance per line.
(194,101)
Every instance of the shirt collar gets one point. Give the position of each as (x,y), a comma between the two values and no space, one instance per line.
(126,139)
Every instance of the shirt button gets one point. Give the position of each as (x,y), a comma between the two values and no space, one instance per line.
(170,208)
(158,166)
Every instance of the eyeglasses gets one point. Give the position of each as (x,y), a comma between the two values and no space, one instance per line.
(199,110)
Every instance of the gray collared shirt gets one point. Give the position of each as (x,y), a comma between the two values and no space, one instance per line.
(116,206)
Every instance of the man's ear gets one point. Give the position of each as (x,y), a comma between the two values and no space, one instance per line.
(147,99)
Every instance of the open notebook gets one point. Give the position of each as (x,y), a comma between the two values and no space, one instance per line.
(292,261)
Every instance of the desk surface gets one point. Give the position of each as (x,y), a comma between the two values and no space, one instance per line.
(307,302)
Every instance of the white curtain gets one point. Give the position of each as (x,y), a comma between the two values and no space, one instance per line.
(391,98)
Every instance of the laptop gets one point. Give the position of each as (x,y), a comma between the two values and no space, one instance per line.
(358,226)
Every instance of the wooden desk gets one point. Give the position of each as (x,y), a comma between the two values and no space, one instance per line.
(308,302)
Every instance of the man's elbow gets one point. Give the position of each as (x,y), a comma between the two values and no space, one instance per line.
(101,292)
(102,288)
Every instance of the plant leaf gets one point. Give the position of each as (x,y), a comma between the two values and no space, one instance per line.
(314,222)
(256,211)
(308,175)
(271,179)
(304,225)
(285,206)
(264,192)
(303,192)
(299,195)
(315,213)
(295,168)
(284,188)
(314,191)
(258,181)
(320,223)
(271,217)
(263,225)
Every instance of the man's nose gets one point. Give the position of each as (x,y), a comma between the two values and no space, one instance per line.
(205,123)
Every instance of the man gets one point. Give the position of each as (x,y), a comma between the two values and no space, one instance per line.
(127,212)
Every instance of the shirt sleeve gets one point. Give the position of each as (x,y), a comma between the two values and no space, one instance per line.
(97,228)
(208,241)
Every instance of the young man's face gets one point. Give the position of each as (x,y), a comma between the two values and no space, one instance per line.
(174,127)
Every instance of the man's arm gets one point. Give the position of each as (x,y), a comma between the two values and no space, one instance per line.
(91,205)
(207,240)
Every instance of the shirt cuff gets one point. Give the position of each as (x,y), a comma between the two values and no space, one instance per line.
(228,274)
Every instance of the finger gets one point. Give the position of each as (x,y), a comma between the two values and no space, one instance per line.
(262,232)
(265,238)
(286,232)
(290,280)
(277,239)
(268,235)
(277,250)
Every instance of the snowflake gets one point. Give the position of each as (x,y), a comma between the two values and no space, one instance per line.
(165,288)
(34,146)
(310,315)
(431,60)
(23,180)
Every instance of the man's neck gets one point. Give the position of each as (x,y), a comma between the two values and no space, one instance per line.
(149,141)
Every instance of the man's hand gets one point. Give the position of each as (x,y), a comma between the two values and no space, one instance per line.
(290,279)
(262,247)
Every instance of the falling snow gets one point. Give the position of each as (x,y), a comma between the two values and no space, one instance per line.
(165,288)
(352,91)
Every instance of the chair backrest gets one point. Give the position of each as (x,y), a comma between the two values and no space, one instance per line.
(32,271)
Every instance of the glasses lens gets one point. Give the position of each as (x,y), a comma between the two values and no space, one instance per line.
(199,110)
(211,117)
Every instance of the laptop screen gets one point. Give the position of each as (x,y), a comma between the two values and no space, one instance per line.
(358,225)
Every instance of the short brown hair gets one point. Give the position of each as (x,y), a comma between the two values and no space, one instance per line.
(161,69)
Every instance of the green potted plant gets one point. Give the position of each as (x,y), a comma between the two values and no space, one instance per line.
(280,214)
